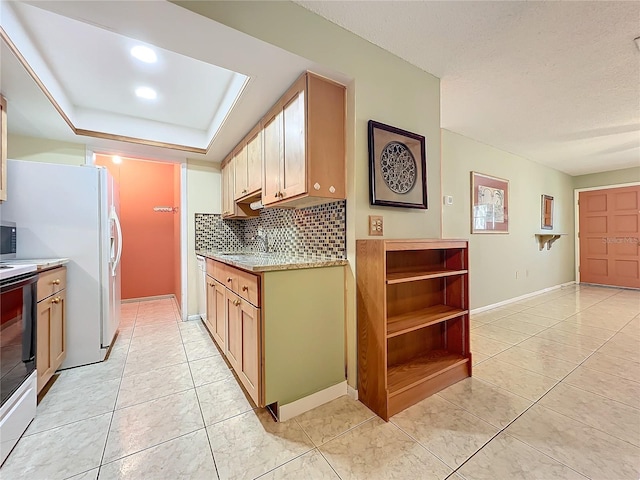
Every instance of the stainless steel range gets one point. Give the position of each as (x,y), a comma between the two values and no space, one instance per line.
(18,386)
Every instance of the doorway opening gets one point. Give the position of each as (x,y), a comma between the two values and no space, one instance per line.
(150,193)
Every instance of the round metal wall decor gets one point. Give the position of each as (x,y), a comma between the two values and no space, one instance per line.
(398,167)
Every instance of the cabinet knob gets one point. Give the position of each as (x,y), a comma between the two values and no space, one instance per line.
(229,279)
(55,300)
(276,195)
(244,191)
(245,288)
(236,302)
(56,281)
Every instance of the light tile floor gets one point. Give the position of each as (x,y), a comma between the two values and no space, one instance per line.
(555,395)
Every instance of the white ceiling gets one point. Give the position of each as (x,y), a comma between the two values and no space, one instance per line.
(80,51)
(555,82)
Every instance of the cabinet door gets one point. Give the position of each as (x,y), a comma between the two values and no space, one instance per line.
(233,348)
(209,320)
(254,163)
(43,350)
(293,171)
(240,165)
(249,371)
(220,322)
(226,173)
(272,133)
(57,347)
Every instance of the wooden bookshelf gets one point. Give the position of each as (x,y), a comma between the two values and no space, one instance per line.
(413,320)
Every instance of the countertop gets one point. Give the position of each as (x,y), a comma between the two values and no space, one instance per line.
(266,262)
(42,263)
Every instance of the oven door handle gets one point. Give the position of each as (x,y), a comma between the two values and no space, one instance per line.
(19,283)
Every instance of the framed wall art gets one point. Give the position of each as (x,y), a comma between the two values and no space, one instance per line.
(489,204)
(546,208)
(397,167)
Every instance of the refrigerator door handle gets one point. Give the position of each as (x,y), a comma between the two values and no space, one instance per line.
(116,220)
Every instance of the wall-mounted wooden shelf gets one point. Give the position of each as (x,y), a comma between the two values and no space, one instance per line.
(548,239)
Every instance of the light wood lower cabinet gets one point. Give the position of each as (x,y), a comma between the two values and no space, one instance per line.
(215,311)
(233,349)
(51,324)
(283,340)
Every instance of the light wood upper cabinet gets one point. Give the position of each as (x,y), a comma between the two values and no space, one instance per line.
(254,160)
(230,208)
(304,145)
(3,149)
(293,168)
(272,135)
(240,166)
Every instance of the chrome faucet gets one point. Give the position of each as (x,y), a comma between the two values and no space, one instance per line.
(264,239)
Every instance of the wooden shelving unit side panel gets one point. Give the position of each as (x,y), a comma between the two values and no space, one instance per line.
(372,332)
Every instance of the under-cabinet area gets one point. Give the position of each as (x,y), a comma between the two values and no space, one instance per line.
(413,320)
(281,328)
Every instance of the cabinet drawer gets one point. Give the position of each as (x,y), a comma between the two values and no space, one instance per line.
(228,276)
(51,282)
(248,287)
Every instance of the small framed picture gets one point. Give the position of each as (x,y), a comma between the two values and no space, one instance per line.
(547,212)
(489,204)
(397,167)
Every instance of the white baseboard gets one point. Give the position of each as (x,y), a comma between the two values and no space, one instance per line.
(194,317)
(293,409)
(521,297)
(352,392)
(153,297)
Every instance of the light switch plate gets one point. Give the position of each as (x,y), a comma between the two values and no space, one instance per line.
(376,225)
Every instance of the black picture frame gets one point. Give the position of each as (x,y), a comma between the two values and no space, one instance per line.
(397,167)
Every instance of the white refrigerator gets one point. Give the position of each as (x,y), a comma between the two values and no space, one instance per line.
(66,211)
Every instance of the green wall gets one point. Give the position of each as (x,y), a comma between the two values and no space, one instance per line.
(614,177)
(383,88)
(20,147)
(495,258)
(203,196)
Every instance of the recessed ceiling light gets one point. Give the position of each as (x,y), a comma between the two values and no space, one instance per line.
(116,159)
(144,54)
(637,40)
(146,92)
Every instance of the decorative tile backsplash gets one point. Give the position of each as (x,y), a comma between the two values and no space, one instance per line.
(319,231)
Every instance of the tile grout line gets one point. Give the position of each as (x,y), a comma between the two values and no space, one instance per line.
(536,402)
(106,440)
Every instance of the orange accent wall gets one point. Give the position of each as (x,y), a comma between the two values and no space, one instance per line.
(150,262)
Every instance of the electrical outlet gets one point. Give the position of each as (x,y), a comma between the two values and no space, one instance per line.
(375,225)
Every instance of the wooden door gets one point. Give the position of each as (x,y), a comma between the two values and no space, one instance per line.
(57,347)
(254,162)
(240,165)
(220,322)
(43,351)
(272,140)
(234,330)
(609,232)
(293,170)
(249,372)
